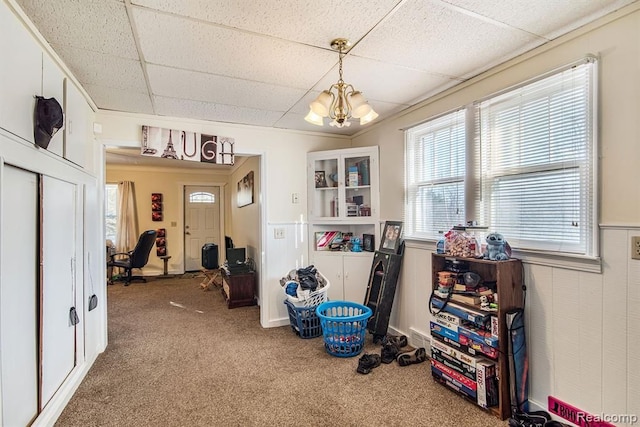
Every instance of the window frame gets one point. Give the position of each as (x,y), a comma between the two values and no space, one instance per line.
(475,191)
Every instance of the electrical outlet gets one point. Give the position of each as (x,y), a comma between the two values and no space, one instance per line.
(278,233)
(294,197)
(635,247)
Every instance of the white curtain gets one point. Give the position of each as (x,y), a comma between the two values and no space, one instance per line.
(126,222)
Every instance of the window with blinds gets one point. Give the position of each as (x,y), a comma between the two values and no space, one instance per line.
(534,168)
(435,166)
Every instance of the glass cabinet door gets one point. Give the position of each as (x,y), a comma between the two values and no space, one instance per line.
(341,187)
(357,194)
(325,193)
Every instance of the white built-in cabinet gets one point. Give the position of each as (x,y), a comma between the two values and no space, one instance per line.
(343,196)
(42,233)
(77,124)
(53,87)
(20,81)
(19,296)
(34,72)
(347,273)
(58,283)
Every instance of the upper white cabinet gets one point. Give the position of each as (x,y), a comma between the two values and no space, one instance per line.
(343,185)
(343,203)
(77,122)
(53,87)
(20,75)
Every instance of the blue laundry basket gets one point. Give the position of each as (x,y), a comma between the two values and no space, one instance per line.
(344,327)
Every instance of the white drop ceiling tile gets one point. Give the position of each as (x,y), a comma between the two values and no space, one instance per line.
(107,98)
(546,18)
(384,81)
(214,112)
(97,25)
(428,36)
(175,83)
(314,22)
(191,45)
(104,70)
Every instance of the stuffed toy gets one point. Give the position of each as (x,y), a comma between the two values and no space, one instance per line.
(497,248)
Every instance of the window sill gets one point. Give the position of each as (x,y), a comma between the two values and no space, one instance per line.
(557,260)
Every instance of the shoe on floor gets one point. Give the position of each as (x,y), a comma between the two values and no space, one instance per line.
(399,340)
(417,355)
(388,353)
(367,362)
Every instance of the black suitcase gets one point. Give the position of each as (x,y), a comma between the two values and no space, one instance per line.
(210,256)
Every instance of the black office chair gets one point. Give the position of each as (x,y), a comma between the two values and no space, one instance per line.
(137,258)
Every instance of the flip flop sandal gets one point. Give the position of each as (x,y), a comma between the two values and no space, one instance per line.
(418,355)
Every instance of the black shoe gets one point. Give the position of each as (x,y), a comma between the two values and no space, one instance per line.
(367,362)
(388,353)
(417,355)
(399,340)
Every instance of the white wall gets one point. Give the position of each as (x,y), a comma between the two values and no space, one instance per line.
(583,327)
(282,172)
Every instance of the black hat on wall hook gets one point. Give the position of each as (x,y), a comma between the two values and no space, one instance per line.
(48,120)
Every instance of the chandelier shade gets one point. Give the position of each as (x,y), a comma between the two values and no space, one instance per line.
(341,101)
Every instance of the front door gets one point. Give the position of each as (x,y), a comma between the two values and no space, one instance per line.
(201,222)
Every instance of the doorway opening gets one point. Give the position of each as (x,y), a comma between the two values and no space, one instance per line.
(202,222)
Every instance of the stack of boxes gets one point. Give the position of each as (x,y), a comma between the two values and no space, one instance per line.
(464,346)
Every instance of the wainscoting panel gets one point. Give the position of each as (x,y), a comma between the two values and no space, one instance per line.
(281,256)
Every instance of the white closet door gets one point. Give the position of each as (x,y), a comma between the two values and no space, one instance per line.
(18,292)
(58,249)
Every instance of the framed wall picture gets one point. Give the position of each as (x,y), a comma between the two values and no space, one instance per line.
(391,237)
(244,195)
(320,179)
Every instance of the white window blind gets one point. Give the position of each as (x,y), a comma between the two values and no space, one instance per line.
(537,165)
(435,174)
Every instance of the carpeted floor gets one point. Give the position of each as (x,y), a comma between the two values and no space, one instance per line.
(178,357)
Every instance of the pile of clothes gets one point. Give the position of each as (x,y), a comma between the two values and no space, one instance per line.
(300,283)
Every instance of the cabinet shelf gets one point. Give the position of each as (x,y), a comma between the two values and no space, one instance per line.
(508,279)
(346,200)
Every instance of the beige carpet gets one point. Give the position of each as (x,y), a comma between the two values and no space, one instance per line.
(178,357)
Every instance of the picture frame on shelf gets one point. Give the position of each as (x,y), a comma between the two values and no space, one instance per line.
(391,237)
(320,179)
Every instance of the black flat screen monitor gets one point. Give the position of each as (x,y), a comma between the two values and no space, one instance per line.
(236,256)
(228,243)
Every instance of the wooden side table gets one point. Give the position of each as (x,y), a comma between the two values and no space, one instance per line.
(165,258)
(239,289)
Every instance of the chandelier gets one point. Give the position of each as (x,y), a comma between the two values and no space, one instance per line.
(341,102)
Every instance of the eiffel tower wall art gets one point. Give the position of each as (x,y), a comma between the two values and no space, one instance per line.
(187,146)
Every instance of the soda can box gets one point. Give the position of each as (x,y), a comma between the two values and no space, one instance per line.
(454,364)
(443,331)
